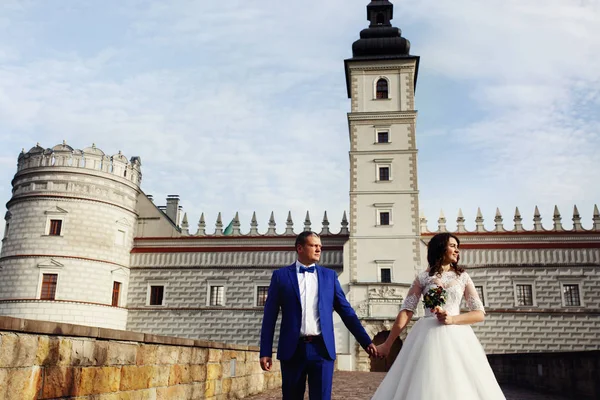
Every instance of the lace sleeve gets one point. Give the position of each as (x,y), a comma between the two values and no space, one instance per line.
(411,301)
(471,297)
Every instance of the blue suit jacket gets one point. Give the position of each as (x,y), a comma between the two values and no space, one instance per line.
(284,294)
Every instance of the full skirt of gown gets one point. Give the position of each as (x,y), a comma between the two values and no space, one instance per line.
(440,362)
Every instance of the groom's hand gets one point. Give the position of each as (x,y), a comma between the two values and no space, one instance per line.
(372,350)
(266,363)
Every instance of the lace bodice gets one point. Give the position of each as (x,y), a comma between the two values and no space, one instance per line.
(456,287)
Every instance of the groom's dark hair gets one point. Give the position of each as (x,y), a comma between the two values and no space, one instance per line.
(301,238)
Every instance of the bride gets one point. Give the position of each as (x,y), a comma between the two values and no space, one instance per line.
(441,357)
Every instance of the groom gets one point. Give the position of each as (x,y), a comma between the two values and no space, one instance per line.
(307,295)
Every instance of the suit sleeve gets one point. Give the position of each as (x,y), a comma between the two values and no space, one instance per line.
(346,312)
(270,314)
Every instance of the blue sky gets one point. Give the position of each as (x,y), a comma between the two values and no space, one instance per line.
(241,105)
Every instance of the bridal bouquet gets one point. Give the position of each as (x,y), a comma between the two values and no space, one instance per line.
(435,297)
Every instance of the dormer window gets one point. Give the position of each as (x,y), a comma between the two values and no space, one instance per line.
(382,89)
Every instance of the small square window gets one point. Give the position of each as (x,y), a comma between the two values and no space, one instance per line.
(116,294)
(383,137)
(524,295)
(384,218)
(386,275)
(157,293)
(384,173)
(217,295)
(49,282)
(571,295)
(479,290)
(261,295)
(55,227)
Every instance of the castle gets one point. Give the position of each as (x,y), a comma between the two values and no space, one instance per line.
(84,244)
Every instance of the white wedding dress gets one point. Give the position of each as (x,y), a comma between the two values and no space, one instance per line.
(437,361)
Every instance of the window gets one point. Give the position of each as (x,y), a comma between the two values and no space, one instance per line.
(479,290)
(49,282)
(217,295)
(380,19)
(383,137)
(386,275)
(524,294)
(120,237)
(384,173)
(571,295)
(55,227)
(384,218)
(261,295)
(382,89)
(116,293)
(157,293)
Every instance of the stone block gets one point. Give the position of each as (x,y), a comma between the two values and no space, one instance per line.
(179,374)
(82,353)
(214,371)
(121,353)
(167,355)
(215,355)
(136,377)
(114,334)
(198,372)
(199,355)
(229,354)
(198,391)
(147,354)
(58,382)
(185,355)
(174,392)
(22,383)
(96,380)
(18,350)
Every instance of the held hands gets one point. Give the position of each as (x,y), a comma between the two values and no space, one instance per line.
(266,363)
(383,350)
(372,350)
(443,316)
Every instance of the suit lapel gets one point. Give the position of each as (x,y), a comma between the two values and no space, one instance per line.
(294,281)
(320,284)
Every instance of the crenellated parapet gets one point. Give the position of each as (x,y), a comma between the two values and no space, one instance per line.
(234,227)
(557,224)
(92,158)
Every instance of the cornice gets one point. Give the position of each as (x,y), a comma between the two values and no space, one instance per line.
(376,116)
(279,242)
(383,152)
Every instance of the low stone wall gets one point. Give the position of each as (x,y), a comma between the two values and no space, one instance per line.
(47,360)
(574,374)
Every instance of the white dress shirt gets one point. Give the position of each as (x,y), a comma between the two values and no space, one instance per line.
(309,298)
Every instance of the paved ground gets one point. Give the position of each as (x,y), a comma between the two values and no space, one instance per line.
(362,385)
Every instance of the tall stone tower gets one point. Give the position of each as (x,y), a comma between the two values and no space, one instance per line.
(69,232)
(383,250)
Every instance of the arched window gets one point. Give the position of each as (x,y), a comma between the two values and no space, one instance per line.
(382,89)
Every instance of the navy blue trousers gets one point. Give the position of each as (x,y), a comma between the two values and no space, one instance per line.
(310,360)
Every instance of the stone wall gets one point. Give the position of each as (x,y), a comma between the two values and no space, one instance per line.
(47,360)
(575,374)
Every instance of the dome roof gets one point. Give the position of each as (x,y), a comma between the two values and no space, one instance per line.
(93,150)
(120,157)
(62,147)
(37,149)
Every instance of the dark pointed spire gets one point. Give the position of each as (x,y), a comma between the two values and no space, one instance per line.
(271,230)
(344,230)
(253,225)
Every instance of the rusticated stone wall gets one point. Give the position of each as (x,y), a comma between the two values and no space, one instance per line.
(47,360)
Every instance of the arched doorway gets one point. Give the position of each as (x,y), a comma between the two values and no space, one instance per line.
(384,364)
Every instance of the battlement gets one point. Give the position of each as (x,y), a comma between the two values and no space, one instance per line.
(234,227)
(557,225)
(63,155)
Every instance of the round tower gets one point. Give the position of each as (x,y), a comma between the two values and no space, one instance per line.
(69,232)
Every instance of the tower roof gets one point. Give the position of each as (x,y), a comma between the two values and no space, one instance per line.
(380,41)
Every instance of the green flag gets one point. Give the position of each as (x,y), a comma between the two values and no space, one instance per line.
(229,229)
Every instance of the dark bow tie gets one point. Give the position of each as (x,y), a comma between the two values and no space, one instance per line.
(304,269)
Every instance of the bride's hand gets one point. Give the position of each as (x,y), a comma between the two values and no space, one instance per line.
(443,317)
(383,350)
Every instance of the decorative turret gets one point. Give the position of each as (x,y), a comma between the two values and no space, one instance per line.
(325,228)
(460,222)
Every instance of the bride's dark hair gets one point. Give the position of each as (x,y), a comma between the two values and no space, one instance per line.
(436,250)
